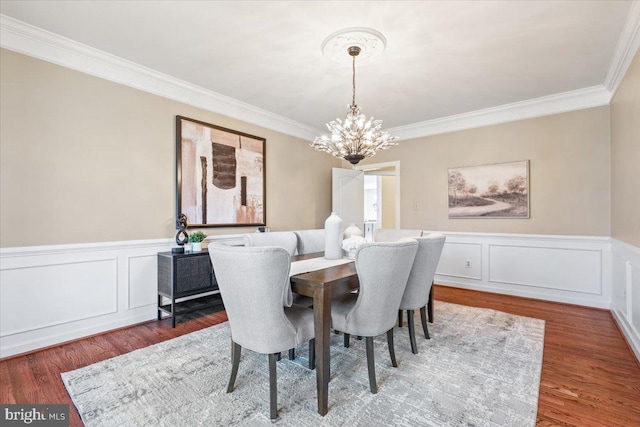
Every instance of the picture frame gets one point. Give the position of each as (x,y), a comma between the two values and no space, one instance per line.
(499,190)
(220,175)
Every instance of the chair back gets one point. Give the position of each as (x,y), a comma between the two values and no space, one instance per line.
(253,283)
(394,234)
(383,270)
(281,239)
(424,267)
(310,241)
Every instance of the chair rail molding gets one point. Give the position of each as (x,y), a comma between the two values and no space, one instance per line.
(57,293)
(568,269)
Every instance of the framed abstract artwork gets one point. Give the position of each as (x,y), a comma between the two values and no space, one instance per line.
(220,175)
(489,191)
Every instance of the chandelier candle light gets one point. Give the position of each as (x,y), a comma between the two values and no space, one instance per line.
(355,138)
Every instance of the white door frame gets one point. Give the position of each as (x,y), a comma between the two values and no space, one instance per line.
(396,166)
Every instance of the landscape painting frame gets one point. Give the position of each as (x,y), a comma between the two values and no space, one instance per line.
(498,190)
(220,175)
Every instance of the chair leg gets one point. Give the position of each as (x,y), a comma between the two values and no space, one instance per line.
(400,318)
(273,387)
(292,353)
(278,356)
(346,340)
(371,365)
(359,338)
(235,362)
(423,317)
(430,304)
(392,350)
(312,354)
(412,332)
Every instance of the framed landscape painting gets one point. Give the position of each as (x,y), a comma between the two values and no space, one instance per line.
(220,175)
(489,191)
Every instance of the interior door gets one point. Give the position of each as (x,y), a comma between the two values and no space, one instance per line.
(348,196)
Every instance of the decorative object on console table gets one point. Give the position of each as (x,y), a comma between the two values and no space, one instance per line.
(352,230)
(196,239)
(351,245)
(182,236)
(185,275)
(333,237)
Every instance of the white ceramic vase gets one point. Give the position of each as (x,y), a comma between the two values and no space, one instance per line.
(196,247)
(333,237)
(352,230)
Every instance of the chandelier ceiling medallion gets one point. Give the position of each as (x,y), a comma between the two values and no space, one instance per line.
(354,138)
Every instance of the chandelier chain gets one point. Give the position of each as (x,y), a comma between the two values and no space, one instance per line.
(353,102)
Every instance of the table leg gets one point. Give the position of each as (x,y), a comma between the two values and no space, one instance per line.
(322,324)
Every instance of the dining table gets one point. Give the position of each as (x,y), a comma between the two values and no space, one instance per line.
(322,285)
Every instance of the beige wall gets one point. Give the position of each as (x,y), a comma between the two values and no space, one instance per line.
(88,160)
(388,201)
(569,173)
(625,157)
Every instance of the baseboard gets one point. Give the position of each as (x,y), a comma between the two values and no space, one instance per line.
(630,333)
(506,290)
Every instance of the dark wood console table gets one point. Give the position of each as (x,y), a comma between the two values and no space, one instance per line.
(184,275)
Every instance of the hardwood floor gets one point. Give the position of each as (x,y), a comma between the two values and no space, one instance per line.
(589,375)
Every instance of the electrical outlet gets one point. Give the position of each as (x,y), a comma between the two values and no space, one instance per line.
(468,264)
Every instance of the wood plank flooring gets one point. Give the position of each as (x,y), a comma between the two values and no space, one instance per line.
(590,377)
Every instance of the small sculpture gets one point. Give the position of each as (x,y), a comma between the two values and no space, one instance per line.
(182,236)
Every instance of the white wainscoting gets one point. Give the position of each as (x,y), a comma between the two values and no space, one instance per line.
(569,269)
(53,294)
(625,299)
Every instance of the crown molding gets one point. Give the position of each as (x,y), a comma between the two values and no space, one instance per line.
(594,96)
(628,45)
(33,41)
(36,42)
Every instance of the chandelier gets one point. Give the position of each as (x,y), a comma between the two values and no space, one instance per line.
(356,137)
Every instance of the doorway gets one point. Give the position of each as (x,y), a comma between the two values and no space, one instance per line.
(381,183)
(381,196)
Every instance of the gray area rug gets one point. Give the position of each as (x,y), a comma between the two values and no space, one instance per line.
(480,368)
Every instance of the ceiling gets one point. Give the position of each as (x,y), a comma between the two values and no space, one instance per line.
(443,58)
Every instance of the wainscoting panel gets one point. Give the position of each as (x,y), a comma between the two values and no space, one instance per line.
(625,300)
(463,260)
(53,294)
(38,297)
(143,281)
(569,269)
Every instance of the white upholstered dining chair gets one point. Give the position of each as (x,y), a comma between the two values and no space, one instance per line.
(310,241)
(383,270)
(416,293)
(282,239)
(256,292)
(394,234)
